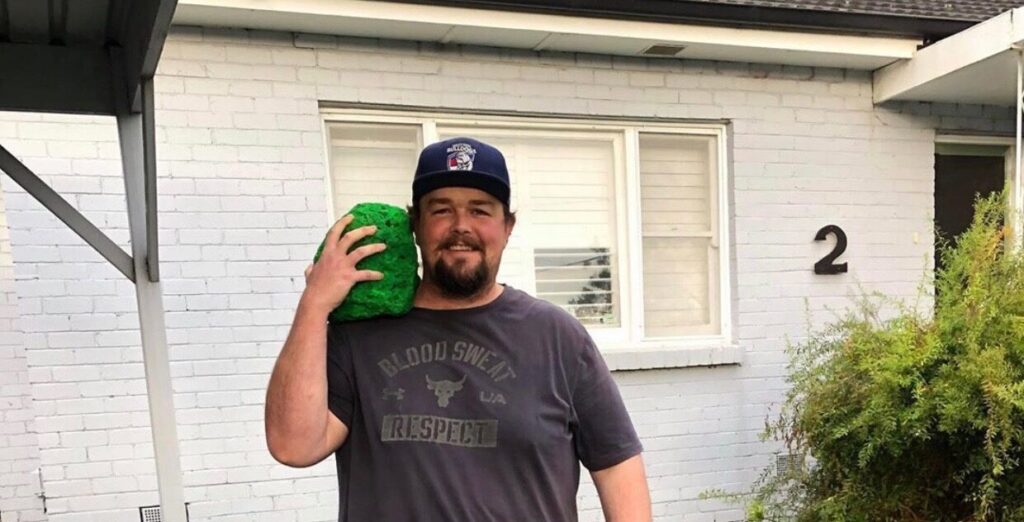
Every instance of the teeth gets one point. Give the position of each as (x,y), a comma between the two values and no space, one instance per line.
(460,248)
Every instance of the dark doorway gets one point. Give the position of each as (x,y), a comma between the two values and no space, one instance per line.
(958,180)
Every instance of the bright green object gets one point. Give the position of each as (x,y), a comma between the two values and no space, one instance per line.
(392,295)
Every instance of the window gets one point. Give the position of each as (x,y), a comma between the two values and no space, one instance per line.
(617,223)
(678,207)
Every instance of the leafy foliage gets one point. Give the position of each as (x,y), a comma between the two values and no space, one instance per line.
(911,416)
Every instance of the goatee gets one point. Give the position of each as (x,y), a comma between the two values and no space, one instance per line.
(460,284)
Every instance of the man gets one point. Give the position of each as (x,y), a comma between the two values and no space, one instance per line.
(480,403)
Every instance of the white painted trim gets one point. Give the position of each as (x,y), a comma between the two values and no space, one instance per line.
(494,19)
(551,32)
(430,134)
(973,139)
(634,232)
(976,44)
(328,179)
(726,252)
(414,117)
(1017,203)
(724,240)
(673,356)
(628,290)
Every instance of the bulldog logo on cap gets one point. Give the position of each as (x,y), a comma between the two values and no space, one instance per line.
(461,156)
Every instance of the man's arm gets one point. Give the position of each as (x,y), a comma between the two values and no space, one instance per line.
(300,430)
(623,491)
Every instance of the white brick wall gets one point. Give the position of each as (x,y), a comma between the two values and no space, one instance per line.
(19,447)
(242,202)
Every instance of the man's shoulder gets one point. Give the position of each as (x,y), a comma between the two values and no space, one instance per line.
(541,311)
(373,324)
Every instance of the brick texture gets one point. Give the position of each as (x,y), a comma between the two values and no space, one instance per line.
(243,200)
(20,499)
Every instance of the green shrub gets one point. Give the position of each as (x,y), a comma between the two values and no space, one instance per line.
(907,415)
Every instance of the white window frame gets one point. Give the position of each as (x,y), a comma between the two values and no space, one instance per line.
(623,347)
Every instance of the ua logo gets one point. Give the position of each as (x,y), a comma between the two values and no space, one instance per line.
(444,389)
(394,393)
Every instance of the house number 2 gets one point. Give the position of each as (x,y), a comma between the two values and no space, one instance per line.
(826,265)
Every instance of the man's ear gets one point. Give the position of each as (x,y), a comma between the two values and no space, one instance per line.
(414,216)
(510,223)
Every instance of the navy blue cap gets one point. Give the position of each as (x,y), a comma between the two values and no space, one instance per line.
(461,162)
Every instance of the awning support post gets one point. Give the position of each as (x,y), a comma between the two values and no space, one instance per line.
(135,131)
(74,219)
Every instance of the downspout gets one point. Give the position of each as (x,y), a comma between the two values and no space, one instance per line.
(1018,192)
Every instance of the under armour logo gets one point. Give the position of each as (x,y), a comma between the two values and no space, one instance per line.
(444,389)
(394,393)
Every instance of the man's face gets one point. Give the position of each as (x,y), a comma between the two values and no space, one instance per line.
(461,233)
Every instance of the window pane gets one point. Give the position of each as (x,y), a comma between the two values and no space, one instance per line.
(372,162)
(579,280)
(676,286)
(674,181)
(563,190)
(572,211)
(678,184)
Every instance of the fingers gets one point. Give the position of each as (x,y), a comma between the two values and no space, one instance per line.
(368,275)
(308,270)
(353,236)
(334,234)
(365,251)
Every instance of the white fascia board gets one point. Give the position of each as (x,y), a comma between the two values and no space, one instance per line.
(969,47)
(531,30)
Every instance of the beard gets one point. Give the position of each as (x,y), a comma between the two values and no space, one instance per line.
(455,281)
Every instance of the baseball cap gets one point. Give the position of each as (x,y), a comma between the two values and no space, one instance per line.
(461,162)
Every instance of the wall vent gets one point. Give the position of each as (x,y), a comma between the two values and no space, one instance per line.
(785,464)
(153,513)
(663,50)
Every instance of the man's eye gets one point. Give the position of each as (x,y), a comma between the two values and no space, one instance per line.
(481,212)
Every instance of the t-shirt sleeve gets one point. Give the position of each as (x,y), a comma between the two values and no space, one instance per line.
(603,432)
(340,383)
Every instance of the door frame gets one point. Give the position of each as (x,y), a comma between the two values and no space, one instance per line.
(1010,174)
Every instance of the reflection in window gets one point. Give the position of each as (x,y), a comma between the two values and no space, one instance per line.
(579,280)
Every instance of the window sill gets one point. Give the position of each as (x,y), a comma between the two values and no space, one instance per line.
(672,356)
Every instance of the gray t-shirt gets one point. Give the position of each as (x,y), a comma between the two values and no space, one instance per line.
(480,414)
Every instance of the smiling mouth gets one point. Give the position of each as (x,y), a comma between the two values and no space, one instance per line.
(459,247)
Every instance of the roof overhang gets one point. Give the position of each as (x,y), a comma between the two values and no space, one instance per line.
(978,65)
(547,32)
(83,59)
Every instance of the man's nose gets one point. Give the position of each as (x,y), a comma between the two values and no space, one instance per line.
(461,223)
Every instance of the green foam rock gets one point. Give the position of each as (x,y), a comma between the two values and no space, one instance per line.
(392,295)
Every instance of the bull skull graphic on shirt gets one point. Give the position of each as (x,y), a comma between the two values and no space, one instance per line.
(444,389)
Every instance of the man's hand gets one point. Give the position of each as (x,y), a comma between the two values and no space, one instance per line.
(623,491)
(330,279)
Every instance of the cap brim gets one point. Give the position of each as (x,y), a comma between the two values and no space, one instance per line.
(460,178)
